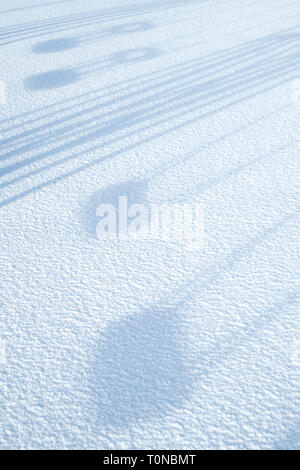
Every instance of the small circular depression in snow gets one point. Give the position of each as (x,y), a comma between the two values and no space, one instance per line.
(52,79)
(54,45)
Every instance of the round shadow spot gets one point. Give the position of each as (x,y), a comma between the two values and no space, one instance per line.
(135,190)
(55,45)
(144,368)
(53,79)
(135,55)
(131,27)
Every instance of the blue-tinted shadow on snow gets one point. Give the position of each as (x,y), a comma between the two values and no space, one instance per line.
(134,190)
(291,441)
(138,110)
(63,77)
(135,55)
(51,79)
(66,43)
(39,5)
(92,18)
(142,370)
(148,364)
(55,45)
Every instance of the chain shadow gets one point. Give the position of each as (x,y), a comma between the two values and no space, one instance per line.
(35,29)
(66,43)
(135,190)
(139,111)
(63,77)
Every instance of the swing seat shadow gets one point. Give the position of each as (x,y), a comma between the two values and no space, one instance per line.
(51,79)
(55,45)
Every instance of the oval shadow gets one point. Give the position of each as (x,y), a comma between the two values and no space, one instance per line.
(55,45)
(135,190)
(144,368)
(135,55)
(52,79)
(131,27)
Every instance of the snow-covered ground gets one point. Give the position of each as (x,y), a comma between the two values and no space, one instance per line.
(149,344)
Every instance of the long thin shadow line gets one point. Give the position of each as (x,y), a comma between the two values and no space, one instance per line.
(231,341)
(86,19)
(234,258)
(209,144)
(225,35)
(105,14)
(187,74)
(81,19)
(227,263)
(43,27)
(134,118)
(128,119)
(149,76)
(230,9)
(131,122)
(217,26)
(191,156)
(61,29)
(195,71)
(163,71)
(238,169)
(236,337)
(51,114)
(119,152)
(40,5)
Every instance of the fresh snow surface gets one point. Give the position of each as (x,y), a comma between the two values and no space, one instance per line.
(126,344)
